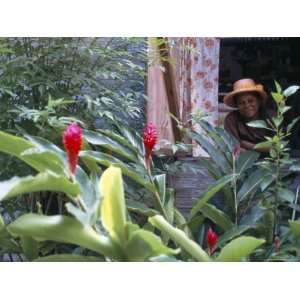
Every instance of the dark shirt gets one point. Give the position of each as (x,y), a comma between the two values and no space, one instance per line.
(236,125)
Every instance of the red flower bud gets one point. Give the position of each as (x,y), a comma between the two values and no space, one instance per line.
(211,239)
(149,139)
(72,140)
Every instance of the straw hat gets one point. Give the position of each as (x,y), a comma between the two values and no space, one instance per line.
(245,85)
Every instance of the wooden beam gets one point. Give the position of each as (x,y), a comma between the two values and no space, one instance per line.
(169,79)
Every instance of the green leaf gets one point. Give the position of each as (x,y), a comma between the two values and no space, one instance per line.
(41,182)
(107,160)
(246,160)
(277,97)
(169,205)
(253,216)
(266,144)
(278,87)
(258,124)
(217,156)
(144,244)
(209,193)
(290,90)
(113,209)
(180,238)
(231,233)
(239,248)
(284,109)
(119,139)
(211,167)
(160,182)
(133,138)
(13,145)
(90,196)
(295,228)
(140,208)
(292,124)
(217,216)
(98,139)
(45,160)
(277,121)
(68,258)
(36,152)
(63,229)
(286,195)
(251,184)
(30,247)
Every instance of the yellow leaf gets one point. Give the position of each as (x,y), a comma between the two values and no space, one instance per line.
(113,214)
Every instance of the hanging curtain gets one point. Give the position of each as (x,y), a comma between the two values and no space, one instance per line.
(158,110)
(195,64)
(198,81)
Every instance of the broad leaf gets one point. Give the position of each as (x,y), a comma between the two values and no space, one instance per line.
(278,97)
(65,230)
(144,244)
(246,160)
(44,161)
(278,87)
(41,182)
(113,210)
(258,124)
(295,227)
(119,139)
(253,215)
(160,182)
(98,139)
(180,238)
(217,216)
(140,208)
(286,195)
(30,247)
(217,156)
(107,160)
(251,184)
(292,124)
(209,193)
(290,90)
(239,248)
(231,234)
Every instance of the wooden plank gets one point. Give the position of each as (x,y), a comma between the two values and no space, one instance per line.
(169,78)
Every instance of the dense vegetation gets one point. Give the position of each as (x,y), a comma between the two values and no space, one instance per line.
(80,181)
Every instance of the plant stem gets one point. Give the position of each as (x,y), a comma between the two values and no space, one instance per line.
(157,196)
(234,189)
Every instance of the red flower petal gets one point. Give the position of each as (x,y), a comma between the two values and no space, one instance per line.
(72,140)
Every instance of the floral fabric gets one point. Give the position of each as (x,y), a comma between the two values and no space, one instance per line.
(196,63)
(198,80)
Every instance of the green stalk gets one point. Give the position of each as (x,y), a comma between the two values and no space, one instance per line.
(180,238)
(157,196)
(235,190)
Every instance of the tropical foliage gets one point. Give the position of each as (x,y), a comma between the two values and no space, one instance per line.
(80,181)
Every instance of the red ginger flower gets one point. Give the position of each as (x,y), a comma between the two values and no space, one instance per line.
(72,140)
(211,239)
(149,139)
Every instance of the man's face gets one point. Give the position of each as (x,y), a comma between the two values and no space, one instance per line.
(248,105)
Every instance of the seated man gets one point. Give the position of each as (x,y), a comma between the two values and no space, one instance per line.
(250,100)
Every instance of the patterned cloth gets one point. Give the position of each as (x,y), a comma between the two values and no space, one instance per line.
(196,63)
(198,80)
